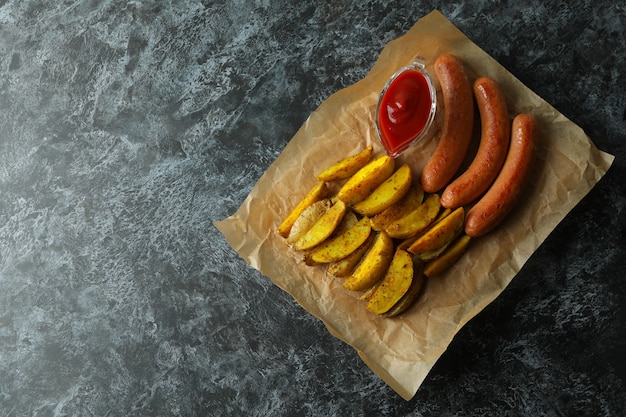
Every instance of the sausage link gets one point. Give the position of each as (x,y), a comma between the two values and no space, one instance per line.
(494,143)
(458,122)
(501,197)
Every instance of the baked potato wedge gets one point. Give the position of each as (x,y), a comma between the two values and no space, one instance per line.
(394,285)
(365,180)
(386,194)
(409,241)
(373,266)
(416,221)
(322,228)
(340,246)
(346,167)
(412,293)
(318,192)
(344,267)
(411,200)
(349,220)
(437,238)
(307,219)
(444,261)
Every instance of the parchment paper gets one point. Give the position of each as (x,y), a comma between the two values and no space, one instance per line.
(402,350)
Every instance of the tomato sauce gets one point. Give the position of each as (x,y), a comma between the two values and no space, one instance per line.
(404,111)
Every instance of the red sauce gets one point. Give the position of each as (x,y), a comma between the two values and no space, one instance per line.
(404,111)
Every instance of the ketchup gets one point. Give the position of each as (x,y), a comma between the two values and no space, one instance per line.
(404,111)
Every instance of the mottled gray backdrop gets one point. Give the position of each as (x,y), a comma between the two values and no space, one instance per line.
(128,127)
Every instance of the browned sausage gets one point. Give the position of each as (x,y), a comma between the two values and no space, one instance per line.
(458,105)
(494,143)
(501,197)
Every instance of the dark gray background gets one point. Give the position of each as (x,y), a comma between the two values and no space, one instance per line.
(127,128)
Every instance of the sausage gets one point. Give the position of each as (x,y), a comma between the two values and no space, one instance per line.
(501,197)
(494,143)
(458,103)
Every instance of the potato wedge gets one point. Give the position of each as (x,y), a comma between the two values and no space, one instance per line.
(347,167)
(444,261)
(416,221)
(435,240)
(344,267)
(409,241)
(386,194)
(318,192)
(322,228)
(349,220)
(340,246)
(412,293)
(307,219)
(373,266)
(365,180)
(411,200)
(394,285)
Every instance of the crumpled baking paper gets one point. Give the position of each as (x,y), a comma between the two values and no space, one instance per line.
(402,350)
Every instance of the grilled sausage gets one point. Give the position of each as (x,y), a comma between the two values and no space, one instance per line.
(458,102)
(494,143)
(501,197)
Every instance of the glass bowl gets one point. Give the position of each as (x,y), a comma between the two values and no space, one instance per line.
(406,108)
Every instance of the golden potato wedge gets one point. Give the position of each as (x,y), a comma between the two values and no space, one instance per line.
(412,293)
(411,200)
(444,261)
(344,267)
(307,219)
(435,240)
(365,180)
(394,285)
(386,194)
(416,221)
(322,228)
(409,241)
(340,246)
(347,167)
(349,220)
(318,192)
(373,266)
